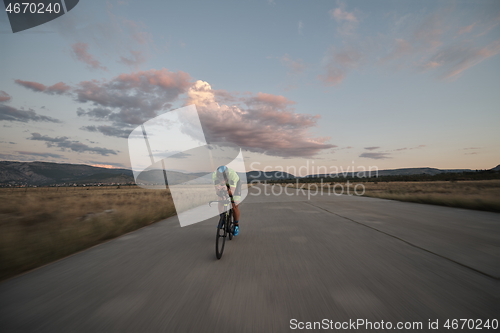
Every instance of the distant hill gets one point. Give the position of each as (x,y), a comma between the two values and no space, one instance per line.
(404,172)
(45,173)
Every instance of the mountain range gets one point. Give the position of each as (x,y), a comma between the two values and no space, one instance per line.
(45,173)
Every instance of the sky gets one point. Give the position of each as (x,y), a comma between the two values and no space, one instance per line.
(335,84)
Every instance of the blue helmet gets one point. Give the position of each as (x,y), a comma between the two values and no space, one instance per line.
(220,172)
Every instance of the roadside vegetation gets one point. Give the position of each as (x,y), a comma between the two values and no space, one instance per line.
(469,194)
(40,225)
(479,195)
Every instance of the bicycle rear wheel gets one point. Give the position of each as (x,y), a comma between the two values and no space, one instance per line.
(220,239)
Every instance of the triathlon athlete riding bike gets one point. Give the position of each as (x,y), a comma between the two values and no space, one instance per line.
(228,187)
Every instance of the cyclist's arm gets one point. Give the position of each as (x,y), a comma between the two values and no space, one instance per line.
(219,189)
(232,190)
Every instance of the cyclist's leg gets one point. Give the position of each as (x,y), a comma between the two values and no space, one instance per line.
(236,209)
(221,210)
(236,212)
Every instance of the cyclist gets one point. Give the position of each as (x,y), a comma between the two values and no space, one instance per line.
(222,176)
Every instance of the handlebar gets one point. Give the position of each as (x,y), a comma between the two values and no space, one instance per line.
(223,201)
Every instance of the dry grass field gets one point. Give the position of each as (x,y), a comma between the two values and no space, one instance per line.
(474,194)
(40,225)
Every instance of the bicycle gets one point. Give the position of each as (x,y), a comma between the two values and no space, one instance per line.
(225,228)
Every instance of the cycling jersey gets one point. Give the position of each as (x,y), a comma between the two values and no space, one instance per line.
(233,180)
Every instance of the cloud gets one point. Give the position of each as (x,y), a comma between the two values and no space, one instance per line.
(375,156)
(109,130)
(338,63)
(435,41)
(136,58)
(400,48)
(132,98)
(274,101)
(466,29)
(428,34)
(456,59)
(406,148)
(372,148)
(35,86)
(4,97)
(332,77)
(430,47)
(46,155)
(339,14)
(265,126)
(347,21)
(295,66)
(80,51)
(111,34)
(301,28)
(56,89)
(259,122)
(8,113)
(95,113)
(64,143)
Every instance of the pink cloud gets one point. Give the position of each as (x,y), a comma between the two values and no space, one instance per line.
(136,58)
(340,15)
(132,98)
(466,29)
(4,97)
(347,21)
(333,76)
(266,127)
(35,86)
(400,49)
(274,101)
(259,122)
(455,59)
(348,57)
(80,51)
(56,89)
(295,66)
(135,30)
(428,34)
(339,63)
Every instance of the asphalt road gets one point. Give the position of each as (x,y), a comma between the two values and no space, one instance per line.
(336,258)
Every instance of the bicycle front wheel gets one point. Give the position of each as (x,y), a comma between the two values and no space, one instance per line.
(220,239)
